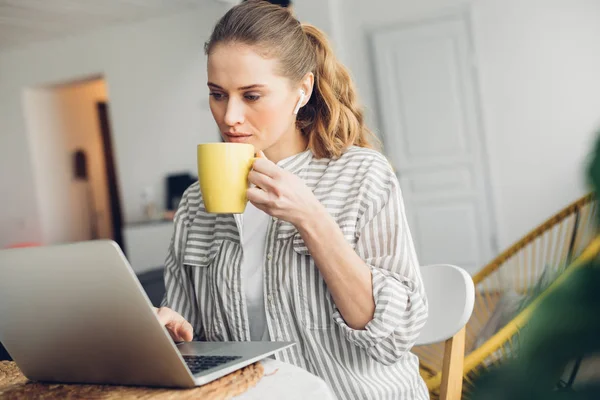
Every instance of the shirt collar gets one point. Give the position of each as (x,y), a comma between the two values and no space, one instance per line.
(297,162)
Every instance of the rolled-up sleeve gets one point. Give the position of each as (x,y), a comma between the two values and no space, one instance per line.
(179,288)
(385,244)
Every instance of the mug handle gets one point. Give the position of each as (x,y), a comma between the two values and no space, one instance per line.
(256,157)
(250,185)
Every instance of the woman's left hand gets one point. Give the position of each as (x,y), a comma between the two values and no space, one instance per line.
(281,194)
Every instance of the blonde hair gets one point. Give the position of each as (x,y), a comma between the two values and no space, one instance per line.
(332,119)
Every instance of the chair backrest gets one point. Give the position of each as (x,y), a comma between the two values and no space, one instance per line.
(451,296)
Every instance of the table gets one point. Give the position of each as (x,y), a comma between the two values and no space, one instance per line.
(286,381)
(270,379)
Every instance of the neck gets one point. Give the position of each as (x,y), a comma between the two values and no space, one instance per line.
(287,146)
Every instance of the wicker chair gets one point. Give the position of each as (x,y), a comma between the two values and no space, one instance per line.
(546,251)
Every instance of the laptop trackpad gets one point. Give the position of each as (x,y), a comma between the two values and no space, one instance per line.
(202,348)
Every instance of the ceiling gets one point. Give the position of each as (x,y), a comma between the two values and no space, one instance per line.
(29,21)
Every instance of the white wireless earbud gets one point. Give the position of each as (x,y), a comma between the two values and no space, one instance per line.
(302,96)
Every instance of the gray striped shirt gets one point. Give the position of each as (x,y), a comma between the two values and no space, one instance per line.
(203,279)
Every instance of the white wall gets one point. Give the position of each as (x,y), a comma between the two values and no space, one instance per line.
(156,73)
(61,120)
(540,81)
(19,217)
(540,89)
(327,16)
(538,75)
(49,162)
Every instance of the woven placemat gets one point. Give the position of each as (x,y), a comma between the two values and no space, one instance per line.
(13,385)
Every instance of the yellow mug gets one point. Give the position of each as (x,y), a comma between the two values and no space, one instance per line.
(223,176)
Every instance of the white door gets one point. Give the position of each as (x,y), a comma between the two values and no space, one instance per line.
(432,134)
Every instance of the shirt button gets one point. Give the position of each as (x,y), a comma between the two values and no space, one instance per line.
(269,256)
(270,298)
(274,219)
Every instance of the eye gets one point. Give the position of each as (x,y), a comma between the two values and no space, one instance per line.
(251,97)
(217,96)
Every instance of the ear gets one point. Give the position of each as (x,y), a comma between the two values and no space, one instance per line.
(300,102)
(307,84)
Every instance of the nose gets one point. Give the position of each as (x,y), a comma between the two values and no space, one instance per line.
(234,114)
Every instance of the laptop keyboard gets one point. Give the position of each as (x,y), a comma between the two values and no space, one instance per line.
(202,363)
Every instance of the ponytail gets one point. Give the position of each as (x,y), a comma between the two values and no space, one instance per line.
(333,120)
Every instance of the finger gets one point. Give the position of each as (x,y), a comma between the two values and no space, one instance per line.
(188,332)
(165,318)
(261,180)
(177,326)
(267,167)
(258,155)
(257,196)
(181,330)
(163,315)
(173,335)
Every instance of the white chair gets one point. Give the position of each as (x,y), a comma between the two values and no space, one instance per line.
(451,296)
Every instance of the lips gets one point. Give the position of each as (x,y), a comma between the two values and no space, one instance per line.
(237,137)
(237,134)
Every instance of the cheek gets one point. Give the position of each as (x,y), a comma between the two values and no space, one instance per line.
(266,118)
(271,118)
(218,112)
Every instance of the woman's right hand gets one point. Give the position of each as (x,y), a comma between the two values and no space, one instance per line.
(178,327)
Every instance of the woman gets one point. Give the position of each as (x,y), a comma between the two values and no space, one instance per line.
(323,255)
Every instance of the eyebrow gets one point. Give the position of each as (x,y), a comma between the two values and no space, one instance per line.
(255,86)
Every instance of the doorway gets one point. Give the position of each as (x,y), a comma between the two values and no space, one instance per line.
(73,161)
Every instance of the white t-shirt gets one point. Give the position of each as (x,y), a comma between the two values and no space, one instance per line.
(254,237)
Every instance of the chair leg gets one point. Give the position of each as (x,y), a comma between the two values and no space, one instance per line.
(452,369)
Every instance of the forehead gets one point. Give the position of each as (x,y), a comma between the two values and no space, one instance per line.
(239,65)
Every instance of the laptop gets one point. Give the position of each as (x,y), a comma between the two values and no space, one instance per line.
(76,313)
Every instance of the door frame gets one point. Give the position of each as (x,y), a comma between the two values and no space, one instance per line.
(114,198)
